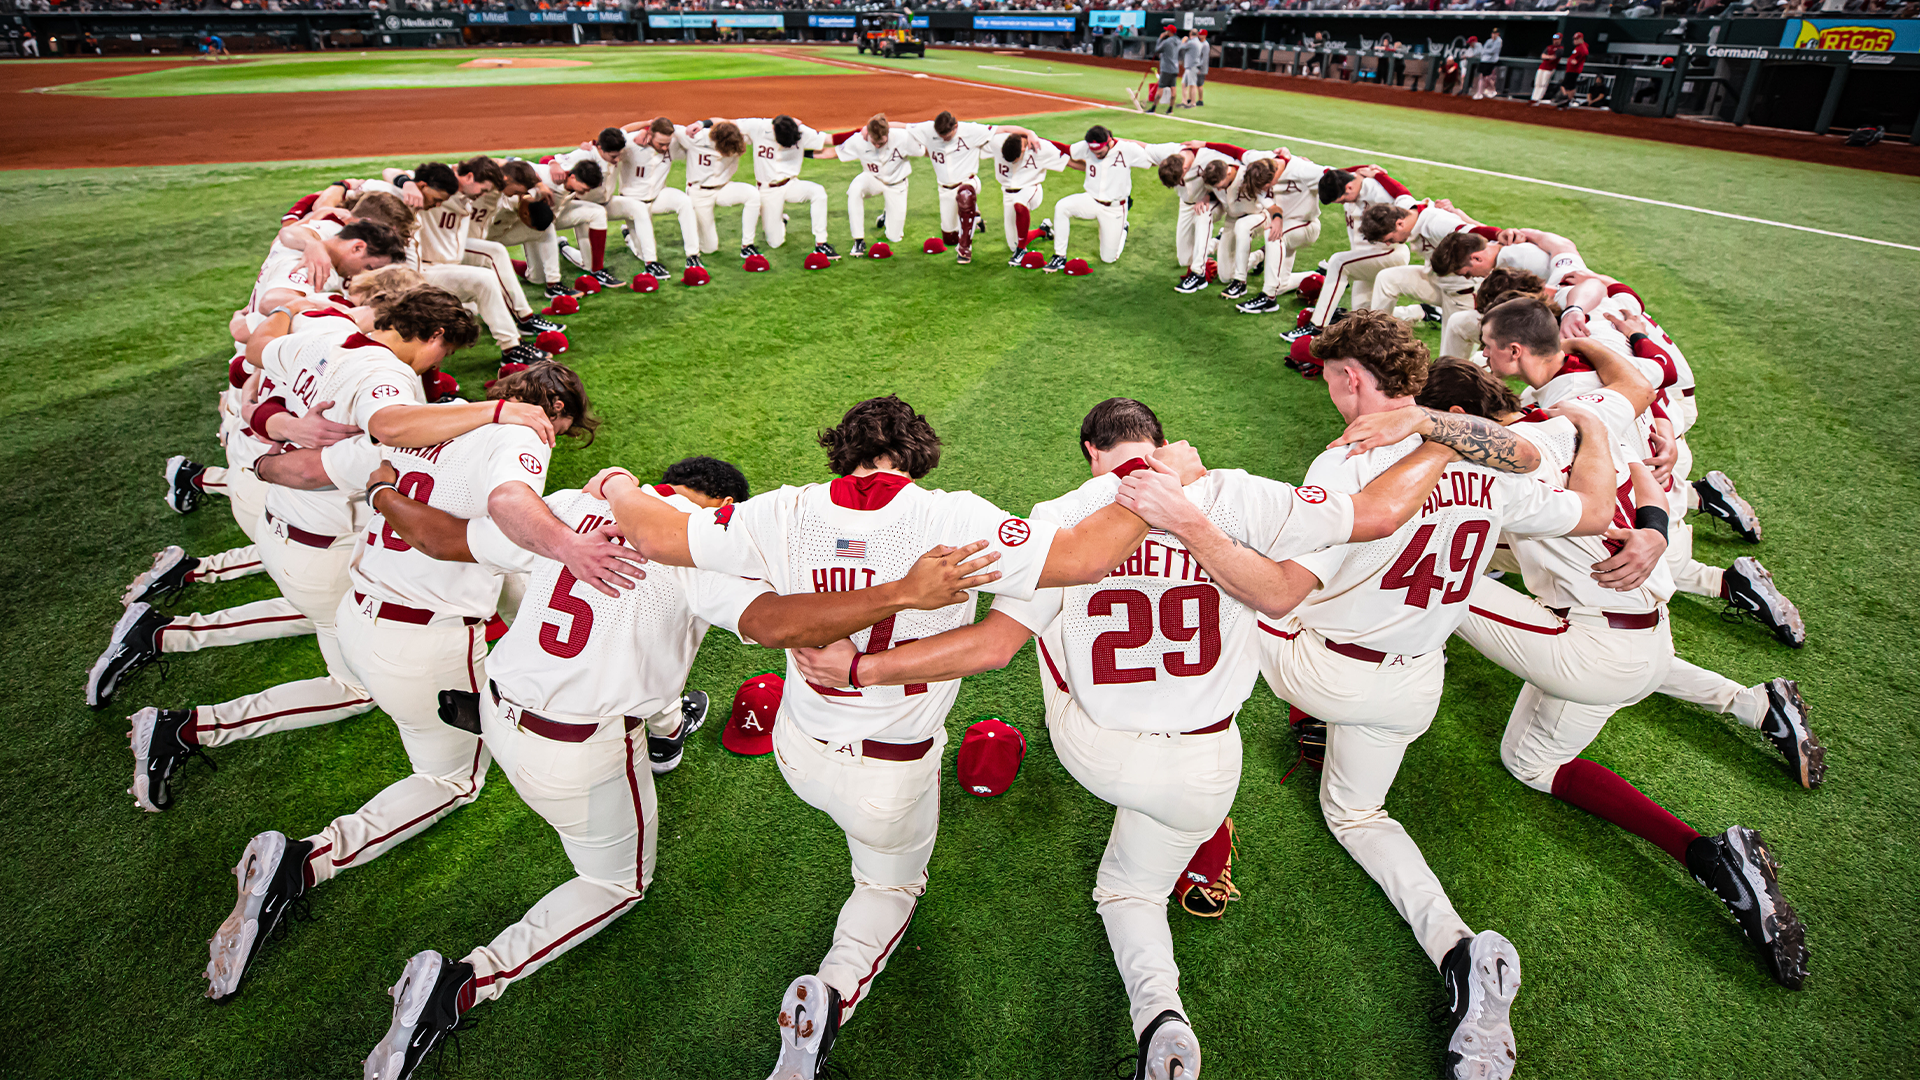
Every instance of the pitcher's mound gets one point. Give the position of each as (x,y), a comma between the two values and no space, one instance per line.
(524,62)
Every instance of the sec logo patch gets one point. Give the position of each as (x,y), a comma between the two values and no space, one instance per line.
(1311,494)
(1014,532)
(530,463)
(386,391)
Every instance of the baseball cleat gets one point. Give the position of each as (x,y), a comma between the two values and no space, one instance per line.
(809,1021)
(880,223)
(1299,332)
(1018,254)
(963,258)
(426,1009)
(1719,500)
(134,645)
(1168,1050)
(1748,589)
(748,251)
(607,281)
(523,353)
(1259,305)
(1741,871)
(182,496)
(1191,282)
(534,324)
(1322,270)
(694,261)
(824,248)
(859,249)
(574,255)
(560,288)
(1256,260)
(1786,727)
(271,878)
(1055,264)
(1234,290)
(1046,228)
(1432,313)
(664,751)
(1482,974)
(658,270)
(168,574)
(158,750)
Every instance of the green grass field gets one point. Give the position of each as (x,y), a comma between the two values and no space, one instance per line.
(116,306)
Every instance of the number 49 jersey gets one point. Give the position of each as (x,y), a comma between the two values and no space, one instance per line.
(577,654)
(1156,645)
(1406,593)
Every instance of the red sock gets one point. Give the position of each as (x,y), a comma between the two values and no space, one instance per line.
(306,872)
(597,240)
(950,237)
(1601,792)
(190,731)
(1021,216)
(198,486)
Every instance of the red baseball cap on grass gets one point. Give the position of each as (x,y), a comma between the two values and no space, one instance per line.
(695,275)
(755,706)
(645,283)
(1077,268)
(934,246)
(990,756)
(880,251)
(1032,260)
(817,261)
(550,341)
(587,283)
(563,305)
(756,264)
(1310,287)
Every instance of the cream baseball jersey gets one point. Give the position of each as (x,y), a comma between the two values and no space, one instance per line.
(442,235)
(609,175)
(1032,167)
(773,163)
(706,167)
(1237,199)
(1297,191)
(284,268)
(642,169)
(1110,178)
(1405,593)
(575,654)
(887,163)
(1576,380)
(1534,259)
(456,476)
(1432,226)
(1374,192)
(1191,186)
(957,159)
(1663,365)
(1156,645)
(293,369)
(852,534)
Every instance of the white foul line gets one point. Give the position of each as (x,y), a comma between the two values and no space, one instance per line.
(1402,157)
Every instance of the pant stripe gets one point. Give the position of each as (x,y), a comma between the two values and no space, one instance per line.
(861,988)
(1282,634)
(288,712)
(228,626)
(473,679)
(556,943)
(1516,623)
(471,770)
(236,568)
(639,820)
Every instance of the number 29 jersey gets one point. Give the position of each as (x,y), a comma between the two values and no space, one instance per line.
(1156,645)
(1406,593)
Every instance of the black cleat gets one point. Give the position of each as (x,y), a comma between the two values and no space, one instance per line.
(1046,228)
(1482,975)
(1234,290)
(859,249)
(1432,313)
(559,289)
(1786,726)
(1191,282)
(809,1022)
(183,497)
(607,280)
(1168,1050)
(166,576)
(1748,589)
(426,1010)
(658,270)
(1299,332)
(693,261)
(880,223)
(135,644)
(272,879)
(524,353)
(1018,254)
(534,324)
(825,249)
(748,251)
(1259,305)
(158,750)
(1741,871)
(664,751)
(1055,264)
(574,255)
(1719,500)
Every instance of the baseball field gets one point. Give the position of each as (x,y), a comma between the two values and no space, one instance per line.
(138,200)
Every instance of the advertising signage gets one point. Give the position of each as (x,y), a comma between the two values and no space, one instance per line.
(1852,35)
(1060,23)
(541,18)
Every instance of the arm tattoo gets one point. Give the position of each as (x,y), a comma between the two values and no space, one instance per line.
(1483,442)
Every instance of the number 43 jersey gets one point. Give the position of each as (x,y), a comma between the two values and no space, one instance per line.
(1156,645)
(1407,592)
(575,652)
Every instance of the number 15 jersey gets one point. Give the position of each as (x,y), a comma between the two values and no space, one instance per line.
(1156,645)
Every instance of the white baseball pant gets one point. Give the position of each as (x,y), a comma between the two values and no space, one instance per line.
(1170,793)
(1541,78)
(1450,294)
(734,193)
(1192,229)
(246,493)
(1236,245)
(1460,334)
(1277,275)
(404,667)
(890,811)
(669,201)
(1017,207)
(1689,574)
(773,222)
(1357,267)
(598,795)
(312,580)
(1111,216)
(1715,692)
(227,565)
(262,620)
(1373,712)
(491,256)
(477,289)
(541,247)
(893,201)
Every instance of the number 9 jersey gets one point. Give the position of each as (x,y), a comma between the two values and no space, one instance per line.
(1156,645)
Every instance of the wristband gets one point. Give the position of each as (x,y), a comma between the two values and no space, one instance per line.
(1651,517)
(402,180)
(280,309)
(853,671)
(1634,340)
(376,489)
(1571,308)
(498,405)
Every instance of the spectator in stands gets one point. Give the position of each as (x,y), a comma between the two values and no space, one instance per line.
(1576,64)
(29,45)
(1549,67)
(1489,67)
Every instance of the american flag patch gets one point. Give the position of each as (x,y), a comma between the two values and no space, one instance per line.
(850,549)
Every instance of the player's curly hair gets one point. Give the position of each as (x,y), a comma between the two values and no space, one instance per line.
(1381,344)
(1452,381)
(1451,253)
(945,124)
(1503,280)
(1216,173)
(484,170)
(1380,220)
(1118,420)
(382,242)
(427,311)
(554,387)
(709,476)
(1333,184)
(727,139)
(882,427)
(877,128)
(1172,170)
(389,210)
(380,289)
(1524,320)
(1258,175)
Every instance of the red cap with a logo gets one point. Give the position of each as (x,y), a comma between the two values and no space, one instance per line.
(990,756)
(750,727)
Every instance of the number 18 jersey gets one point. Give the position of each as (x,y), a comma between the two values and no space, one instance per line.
(1156,645)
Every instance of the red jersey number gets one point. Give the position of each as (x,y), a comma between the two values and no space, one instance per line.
(417,486)
(579,627)
(1203,631)
(1416,568)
